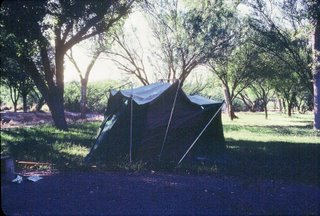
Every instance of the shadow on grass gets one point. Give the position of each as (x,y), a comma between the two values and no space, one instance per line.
(63,149)
(66,150)
(275,160)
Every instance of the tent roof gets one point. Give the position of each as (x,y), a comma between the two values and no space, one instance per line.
(197,99)
(146,94)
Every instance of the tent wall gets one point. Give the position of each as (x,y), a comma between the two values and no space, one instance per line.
(149,125)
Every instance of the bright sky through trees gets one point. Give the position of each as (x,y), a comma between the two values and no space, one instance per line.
(104,68)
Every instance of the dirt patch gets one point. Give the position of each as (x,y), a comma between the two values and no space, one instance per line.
(25,119)
(118,193)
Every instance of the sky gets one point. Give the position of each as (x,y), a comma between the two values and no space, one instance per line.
(104,68)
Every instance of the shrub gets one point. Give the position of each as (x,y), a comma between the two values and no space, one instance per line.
(97,96)
(72,96)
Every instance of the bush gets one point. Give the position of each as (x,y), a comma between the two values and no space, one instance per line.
(97,96)
(72,96)
(4,94)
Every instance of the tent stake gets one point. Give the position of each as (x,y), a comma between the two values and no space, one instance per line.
(131,114)
(167,130)
(194,142)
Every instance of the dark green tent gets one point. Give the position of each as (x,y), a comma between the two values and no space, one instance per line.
(158,121)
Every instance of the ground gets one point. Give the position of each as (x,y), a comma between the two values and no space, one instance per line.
(18,119)
(155,192)
(105,193)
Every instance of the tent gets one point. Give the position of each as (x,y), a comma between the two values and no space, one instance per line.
(158,122)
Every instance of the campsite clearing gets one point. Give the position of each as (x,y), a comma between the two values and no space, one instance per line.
(270,167)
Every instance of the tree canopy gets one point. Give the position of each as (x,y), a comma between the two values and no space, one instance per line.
(39,33)
(189,34)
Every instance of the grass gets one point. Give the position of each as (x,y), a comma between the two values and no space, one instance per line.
(277,148)
(277,128)
(65,150)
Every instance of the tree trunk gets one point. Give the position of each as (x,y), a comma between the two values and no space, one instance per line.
(56,107)
(265,109)
(24,101)
(265,102)
(316,77)
(15,103)
(289,112)
(229,105)
(83,98)
(56,92)
(248,103)
(14,96)
(290,104)
(51,91)
(316,87)
(284,105)
(40,103)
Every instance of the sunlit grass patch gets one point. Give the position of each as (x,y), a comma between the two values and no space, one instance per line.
(277,128)
(71,149)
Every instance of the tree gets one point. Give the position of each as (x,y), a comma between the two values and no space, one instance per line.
(41,32)
(287,86)
(276,37)
(84,77)
(129,58)
(17,80)
(188,35)
(233,70)
(300,11)
(279,78)
(197,85)
(263,90)
(313,7)
(37,98)
(274,69)
(286,35)
(266,73)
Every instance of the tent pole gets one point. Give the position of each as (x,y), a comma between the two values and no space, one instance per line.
(167,129)
(131,117)
(194,142)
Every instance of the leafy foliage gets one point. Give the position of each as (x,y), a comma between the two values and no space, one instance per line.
(286,50)
(188,36)
(42,33)
(16,80)
(98,94)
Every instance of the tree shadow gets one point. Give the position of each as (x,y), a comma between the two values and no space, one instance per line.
(48,145)
(274,160)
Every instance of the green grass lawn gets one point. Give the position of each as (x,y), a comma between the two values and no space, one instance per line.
(277,148)
(46,144)
(277,128)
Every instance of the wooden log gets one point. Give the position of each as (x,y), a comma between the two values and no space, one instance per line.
(32,163)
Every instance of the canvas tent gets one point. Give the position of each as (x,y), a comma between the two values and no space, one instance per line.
(158,121)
